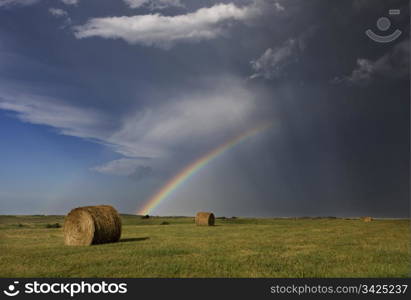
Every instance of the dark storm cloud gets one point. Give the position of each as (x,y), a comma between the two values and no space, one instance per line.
(162,96)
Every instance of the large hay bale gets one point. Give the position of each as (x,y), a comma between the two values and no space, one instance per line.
(205,219)
(88,225)
(366,219)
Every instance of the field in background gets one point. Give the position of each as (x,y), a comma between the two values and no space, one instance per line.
(30,246)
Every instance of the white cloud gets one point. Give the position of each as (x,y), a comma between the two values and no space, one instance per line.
(7,3)
(57,12)
(272,62)
(68,120)
(194,120)
(153,4)
(365,68)
(61,13)
(70,2)
(157,130)
(394,64)
(278,6)
(165,31)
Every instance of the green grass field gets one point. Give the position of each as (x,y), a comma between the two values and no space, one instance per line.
(233,248)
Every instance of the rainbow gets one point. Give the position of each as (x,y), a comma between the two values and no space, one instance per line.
(167,189)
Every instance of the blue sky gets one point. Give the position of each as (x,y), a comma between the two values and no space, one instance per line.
(104,101)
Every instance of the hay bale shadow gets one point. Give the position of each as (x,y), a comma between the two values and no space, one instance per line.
(134,239)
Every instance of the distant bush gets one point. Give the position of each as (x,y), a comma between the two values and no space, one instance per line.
(222,218)
(233,218)
(145,217)
(20,225)
(164,223)
(55,225)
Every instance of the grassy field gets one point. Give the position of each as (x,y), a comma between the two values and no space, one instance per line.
(233,248)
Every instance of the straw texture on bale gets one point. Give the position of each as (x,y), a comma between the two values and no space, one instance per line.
(88,225)
(205,219)
(366,219)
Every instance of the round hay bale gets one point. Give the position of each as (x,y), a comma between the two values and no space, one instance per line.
(205,219)
(366,219)
(88,225)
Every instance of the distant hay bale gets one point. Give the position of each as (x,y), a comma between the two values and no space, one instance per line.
(205,219)
(366,219)
(88,225)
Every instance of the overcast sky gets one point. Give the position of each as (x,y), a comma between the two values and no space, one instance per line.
(103,101)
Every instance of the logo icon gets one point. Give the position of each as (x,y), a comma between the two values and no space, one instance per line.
(383,24)
(11,292)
